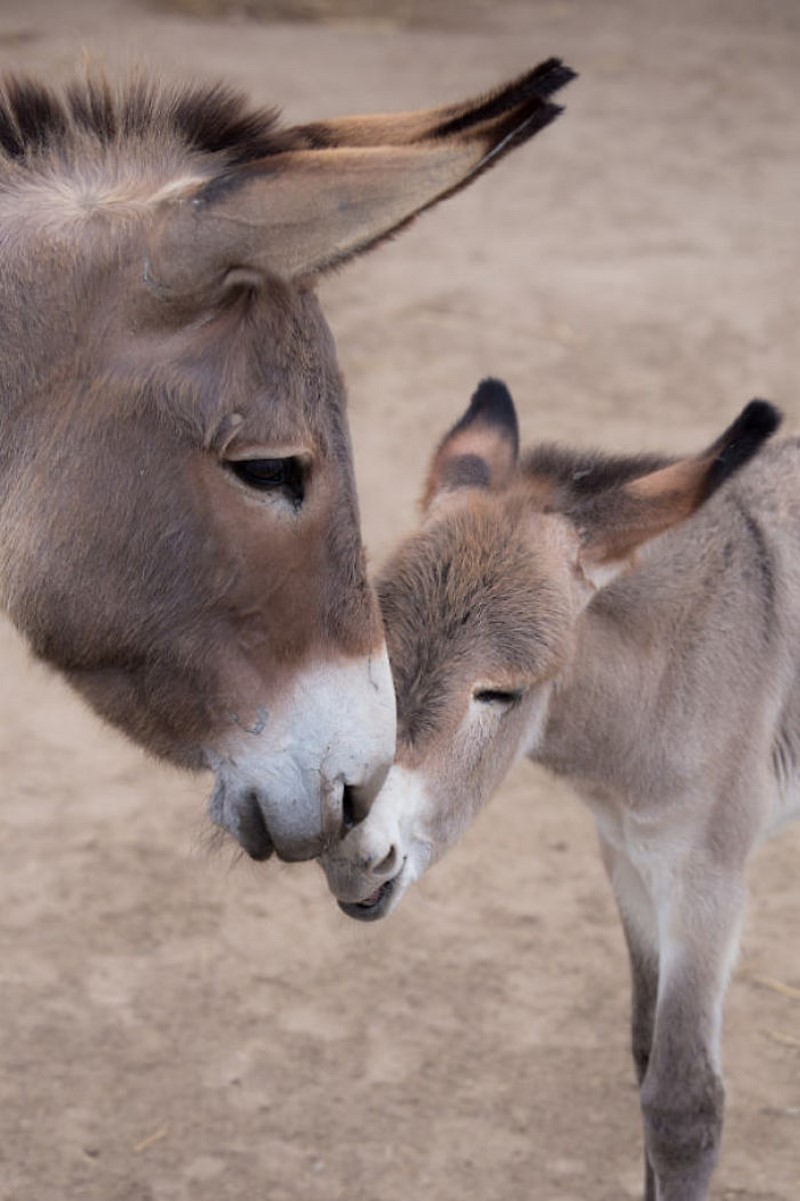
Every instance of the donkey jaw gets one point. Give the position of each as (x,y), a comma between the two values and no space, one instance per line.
(280,782)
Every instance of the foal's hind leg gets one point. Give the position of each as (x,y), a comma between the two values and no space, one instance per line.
(638,922)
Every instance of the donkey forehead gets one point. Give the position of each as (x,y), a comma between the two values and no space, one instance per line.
(263,373)
(264,354)
(487,565)
(480,593)
(257,371)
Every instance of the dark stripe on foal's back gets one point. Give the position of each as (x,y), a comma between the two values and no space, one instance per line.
(763,561)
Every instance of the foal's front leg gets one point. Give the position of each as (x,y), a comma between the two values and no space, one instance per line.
(699,912)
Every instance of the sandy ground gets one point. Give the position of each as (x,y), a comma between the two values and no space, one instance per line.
(179,1026)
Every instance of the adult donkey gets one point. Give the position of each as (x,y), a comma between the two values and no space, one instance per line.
(178,519)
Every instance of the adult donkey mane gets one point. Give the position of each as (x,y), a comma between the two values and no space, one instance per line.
(210,118)
(179,527)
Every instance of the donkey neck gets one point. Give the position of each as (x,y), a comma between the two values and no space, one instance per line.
(638,643)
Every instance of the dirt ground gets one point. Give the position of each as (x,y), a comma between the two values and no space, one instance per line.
(183,1026)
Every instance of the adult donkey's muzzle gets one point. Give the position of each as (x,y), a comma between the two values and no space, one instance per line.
(296,779)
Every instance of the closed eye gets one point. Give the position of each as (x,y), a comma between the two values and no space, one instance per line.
(497,696)
(272,475)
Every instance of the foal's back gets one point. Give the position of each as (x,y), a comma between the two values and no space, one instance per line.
(688,666)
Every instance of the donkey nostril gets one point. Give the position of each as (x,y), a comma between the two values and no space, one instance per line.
(387,864)
(355,806)
(349,818)
(253,833)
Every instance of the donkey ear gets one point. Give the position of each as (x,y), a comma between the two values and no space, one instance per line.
(614,523)
(408,129)
(481,450)
(350,184)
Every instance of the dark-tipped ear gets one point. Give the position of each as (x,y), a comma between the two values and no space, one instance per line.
(351,184)
(482,449)
(406,129)
(614,523)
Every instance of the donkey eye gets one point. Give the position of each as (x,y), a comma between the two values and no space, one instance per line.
(272,475)
(496,696)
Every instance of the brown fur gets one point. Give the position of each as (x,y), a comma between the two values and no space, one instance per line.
(147,337)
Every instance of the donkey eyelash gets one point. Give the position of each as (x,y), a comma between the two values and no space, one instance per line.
(497,696)
(272,475)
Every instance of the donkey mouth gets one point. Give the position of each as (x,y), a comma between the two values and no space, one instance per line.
(372,907)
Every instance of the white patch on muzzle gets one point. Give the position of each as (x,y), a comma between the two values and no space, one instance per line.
(335,727)
(392,842)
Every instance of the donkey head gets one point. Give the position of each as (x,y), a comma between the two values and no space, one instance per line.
(482,608)
(179,529)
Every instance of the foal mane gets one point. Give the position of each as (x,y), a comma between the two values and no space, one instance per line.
(37,120)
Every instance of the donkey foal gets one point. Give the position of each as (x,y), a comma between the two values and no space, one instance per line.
(631,623)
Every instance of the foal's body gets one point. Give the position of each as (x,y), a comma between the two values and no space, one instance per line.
(670,697)
(678,723)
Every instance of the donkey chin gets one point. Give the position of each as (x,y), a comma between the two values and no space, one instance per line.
(284,784)
(355,889)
